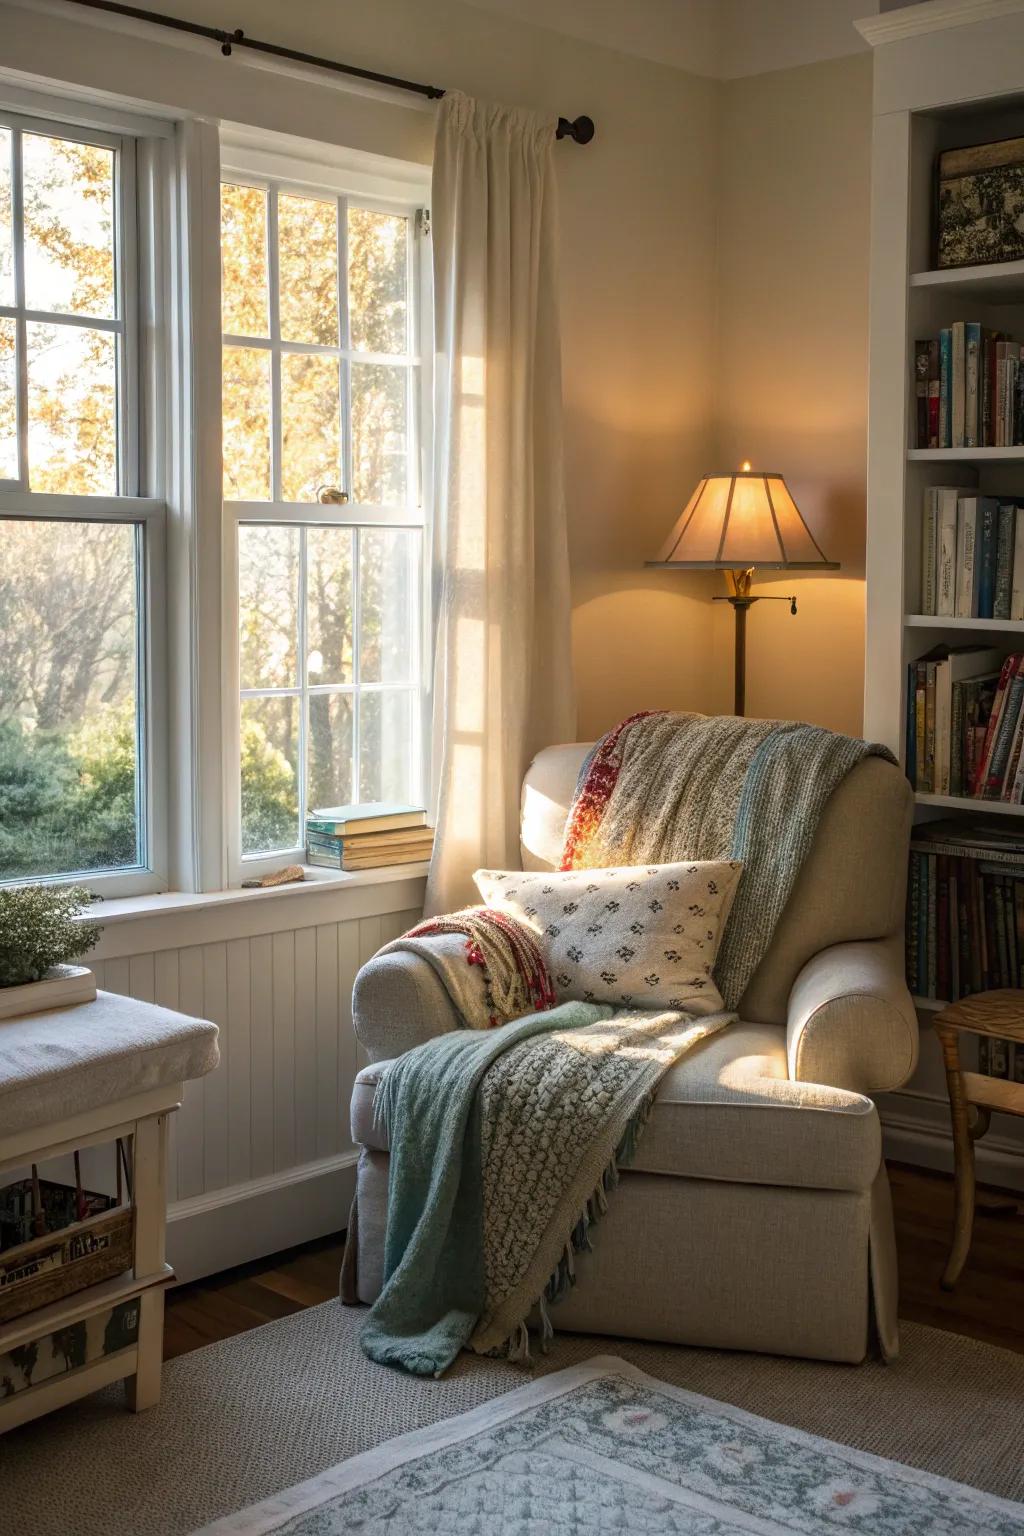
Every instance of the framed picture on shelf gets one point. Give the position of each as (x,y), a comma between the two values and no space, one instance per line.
(980,208)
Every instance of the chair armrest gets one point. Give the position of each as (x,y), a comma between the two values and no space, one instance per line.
(399,1001)
(851,1022)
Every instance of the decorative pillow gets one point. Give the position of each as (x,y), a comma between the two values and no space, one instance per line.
(644,936)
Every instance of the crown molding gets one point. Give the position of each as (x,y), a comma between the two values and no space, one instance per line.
(934,16)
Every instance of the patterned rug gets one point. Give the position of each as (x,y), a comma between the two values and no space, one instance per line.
(602,1447)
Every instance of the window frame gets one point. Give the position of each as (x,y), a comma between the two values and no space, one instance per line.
(147,513)
(242,166)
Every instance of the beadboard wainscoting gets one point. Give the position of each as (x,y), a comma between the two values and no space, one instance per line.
(260,1152)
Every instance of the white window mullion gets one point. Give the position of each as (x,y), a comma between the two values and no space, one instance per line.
(273,298)
(345,364)
(21,329)
(302,767)
(357,665)
(127,299)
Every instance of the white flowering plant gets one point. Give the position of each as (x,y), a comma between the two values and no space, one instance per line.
(40,928)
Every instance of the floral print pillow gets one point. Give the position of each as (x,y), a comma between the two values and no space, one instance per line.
(637,937)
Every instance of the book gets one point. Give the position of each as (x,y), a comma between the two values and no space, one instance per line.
(1017,568)
(934,386)
(980,779)
(371,842)
(930,551)
(921,391)
(986,551)
(957,377)
(1003,737)
(972,364)
(945,388)
(968,569)
(349,863)
(338,819)
(1013,760)
(947,501)
(1005,536)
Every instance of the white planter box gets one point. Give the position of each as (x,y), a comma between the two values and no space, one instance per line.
(62,986)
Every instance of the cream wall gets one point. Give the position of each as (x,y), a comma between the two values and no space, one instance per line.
(791,366)
(637,253)
(714,251)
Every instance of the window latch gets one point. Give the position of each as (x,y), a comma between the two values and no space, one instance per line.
(331,496)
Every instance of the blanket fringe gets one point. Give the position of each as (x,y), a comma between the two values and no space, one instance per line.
(516,1348)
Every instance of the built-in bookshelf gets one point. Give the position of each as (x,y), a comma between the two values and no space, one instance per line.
(962,89)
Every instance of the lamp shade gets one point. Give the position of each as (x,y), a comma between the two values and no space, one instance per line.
(746,518)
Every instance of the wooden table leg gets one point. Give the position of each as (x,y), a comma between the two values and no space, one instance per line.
(963,1151)
(150,1194)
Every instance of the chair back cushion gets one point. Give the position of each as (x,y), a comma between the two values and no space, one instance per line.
(852,885)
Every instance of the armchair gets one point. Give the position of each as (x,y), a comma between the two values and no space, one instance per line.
(756,1213)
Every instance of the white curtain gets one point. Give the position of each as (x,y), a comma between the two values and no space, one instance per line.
(503,672)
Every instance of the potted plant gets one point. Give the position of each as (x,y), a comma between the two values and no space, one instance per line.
(40,933)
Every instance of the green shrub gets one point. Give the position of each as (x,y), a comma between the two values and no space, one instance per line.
(38,930)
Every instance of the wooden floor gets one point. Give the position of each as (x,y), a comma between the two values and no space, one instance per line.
(988,1302)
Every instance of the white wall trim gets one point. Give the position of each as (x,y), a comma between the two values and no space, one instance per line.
(224,1227)
(910,1138)
(915,20)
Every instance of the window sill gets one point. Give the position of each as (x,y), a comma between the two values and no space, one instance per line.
(126,908)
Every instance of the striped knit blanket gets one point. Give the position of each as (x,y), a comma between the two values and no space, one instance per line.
(662,787)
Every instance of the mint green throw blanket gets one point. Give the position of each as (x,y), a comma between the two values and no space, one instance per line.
(434,1288)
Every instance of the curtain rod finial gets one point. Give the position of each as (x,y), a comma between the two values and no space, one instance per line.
(580,129)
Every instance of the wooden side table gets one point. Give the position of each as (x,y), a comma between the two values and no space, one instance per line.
(973,1097)
(79,1077)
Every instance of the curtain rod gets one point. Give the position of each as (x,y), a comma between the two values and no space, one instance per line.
(579,129)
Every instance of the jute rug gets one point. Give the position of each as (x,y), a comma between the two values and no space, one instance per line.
(246,1418)
(604,1447)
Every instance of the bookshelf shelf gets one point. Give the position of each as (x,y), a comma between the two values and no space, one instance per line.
(929,1004)
(997,283)
(987,626)
(975,807)
(966,455)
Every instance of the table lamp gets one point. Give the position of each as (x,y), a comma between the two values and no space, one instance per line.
(736,522)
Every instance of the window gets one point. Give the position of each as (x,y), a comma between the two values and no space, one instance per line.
(77,545)
(322,416)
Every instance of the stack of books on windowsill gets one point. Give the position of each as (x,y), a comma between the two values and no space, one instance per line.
(351,837)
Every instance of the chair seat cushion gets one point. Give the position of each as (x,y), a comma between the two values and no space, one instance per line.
(728,1111)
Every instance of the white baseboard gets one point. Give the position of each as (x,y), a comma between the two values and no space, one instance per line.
(216,1231)
(232,1226)
(911,1139)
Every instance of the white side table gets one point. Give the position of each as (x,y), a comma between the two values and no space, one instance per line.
(78,1077)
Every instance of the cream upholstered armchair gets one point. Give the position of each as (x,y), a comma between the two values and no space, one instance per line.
(756,1213)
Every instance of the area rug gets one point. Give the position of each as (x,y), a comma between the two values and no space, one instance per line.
(605,1447)
(244,1418)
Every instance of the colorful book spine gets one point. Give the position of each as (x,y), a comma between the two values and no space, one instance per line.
(946,388)
(1005,534)
(972,376)
(921,392)
(929,551)
(987,552)
(958,376)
